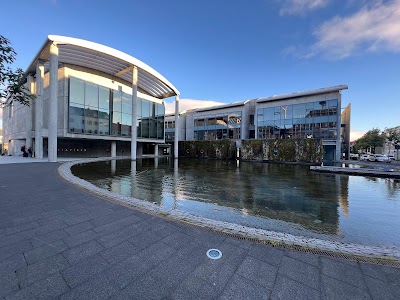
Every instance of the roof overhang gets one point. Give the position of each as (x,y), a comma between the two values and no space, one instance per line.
(104,59)
(326,90)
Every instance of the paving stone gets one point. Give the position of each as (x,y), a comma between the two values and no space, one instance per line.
(242,243)
(48,238)
(375,271)
(145,239)
(78,228)
(98,288)
(85,270)
(242,288)
(286,288)
(50,226)
(381,290)
(13,263)
(8,284)
(307,258)
(258,271)
(333,289)
(343,272)
(145,288)
(11,239)
(80,238)
(195,288)
(177,240)
(41,269)
(20,227)
(301,272)
(392,275)
(48,288)
(267,254)
(83,251)
(45,251)
(120,252)
(118,237)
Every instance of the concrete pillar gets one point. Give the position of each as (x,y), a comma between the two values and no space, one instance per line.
(28,142)
(113,149)
(156,150)
(39,110)
(113,166)
(134,114)
(176,140)
(338,152)
(53,103)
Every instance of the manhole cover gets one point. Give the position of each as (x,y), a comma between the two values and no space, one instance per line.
(214,254)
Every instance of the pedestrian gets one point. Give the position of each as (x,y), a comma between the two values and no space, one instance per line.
(30,151)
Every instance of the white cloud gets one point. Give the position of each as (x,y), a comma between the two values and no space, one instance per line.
(299,7)
(355,134)
(185,104)
(376,27)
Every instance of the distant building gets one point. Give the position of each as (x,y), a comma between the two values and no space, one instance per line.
(311,114)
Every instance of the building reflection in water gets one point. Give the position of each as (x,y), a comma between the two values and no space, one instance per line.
(289,193)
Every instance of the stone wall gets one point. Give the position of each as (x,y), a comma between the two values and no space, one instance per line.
(221,149)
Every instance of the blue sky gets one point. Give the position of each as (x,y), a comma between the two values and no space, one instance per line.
(228,51)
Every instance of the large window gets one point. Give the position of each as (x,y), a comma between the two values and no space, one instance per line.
(313,119)
(94,109)
(218,126)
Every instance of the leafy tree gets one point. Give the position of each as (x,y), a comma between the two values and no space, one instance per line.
(12,82)
(393,136)
(372,139)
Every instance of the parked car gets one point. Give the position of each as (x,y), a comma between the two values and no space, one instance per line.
(354,156)
(364,157)
(379,158)
(391,157)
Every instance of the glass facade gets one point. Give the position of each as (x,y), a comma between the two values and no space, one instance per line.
(312,120)
(98,110)
(218,126)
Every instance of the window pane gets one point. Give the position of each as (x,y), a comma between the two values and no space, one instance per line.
(91,95)
(268,113)
(104,98)
(104,122)
(116,123)
(153,129)
(145,128)
(160,128)
(117,101)
(299,111)
(76,118)
(145,109)
(139,108)
(126,103)
(126,125)
(76,91)
(91,120)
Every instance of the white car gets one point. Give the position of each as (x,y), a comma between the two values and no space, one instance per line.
(380,158)
(364,157)
(391,157)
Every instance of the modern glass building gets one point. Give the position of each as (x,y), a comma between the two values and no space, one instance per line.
(91,100)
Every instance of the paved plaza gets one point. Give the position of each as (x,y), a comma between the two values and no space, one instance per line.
(59,242)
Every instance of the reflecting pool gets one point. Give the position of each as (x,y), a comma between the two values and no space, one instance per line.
(278,197)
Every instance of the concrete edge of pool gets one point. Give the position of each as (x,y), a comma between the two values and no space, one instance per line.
(260,235)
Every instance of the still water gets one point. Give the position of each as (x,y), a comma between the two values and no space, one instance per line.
(284,198)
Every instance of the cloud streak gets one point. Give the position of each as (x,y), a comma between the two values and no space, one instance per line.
(300,7)
(374,28)
(185,104)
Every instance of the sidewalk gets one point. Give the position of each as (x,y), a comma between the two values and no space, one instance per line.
(58,242)
(19,159)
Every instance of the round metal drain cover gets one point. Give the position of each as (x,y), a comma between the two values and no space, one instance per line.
(214,254)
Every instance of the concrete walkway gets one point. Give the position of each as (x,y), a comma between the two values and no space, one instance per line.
(58,242)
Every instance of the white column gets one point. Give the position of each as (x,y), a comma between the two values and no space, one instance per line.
(338,152)
(113,149)
(28,143)
(134,116)
(53,103)
(39,110)
(176,140)
(156,150)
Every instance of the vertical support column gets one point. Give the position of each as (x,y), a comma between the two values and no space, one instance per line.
(176,140)
(53,104)
(39,110)
(338,152)
(134,115)
(156,150)
(28,143)
(113,149)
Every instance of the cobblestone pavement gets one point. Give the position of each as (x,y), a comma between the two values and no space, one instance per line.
(58,242)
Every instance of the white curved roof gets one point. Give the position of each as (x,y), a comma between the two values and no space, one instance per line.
(105,59)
